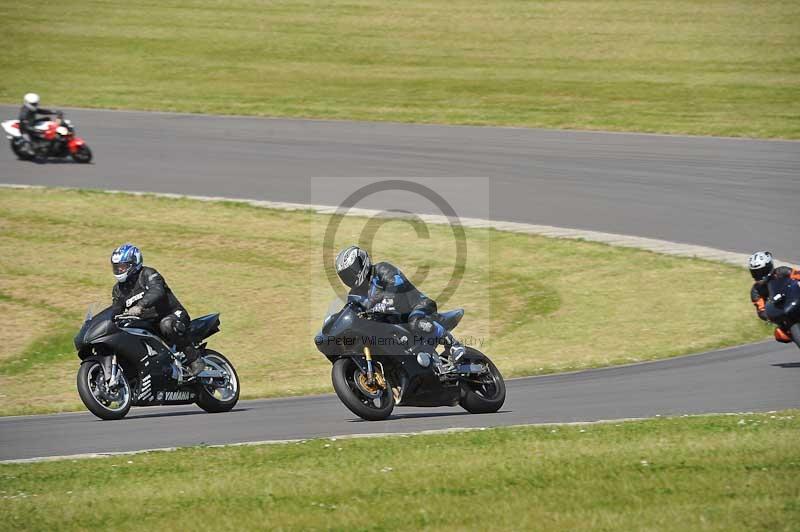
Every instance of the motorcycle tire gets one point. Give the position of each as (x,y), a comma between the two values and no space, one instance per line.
(486,400)
(342,370)
(82,155)
(794,330)
(206,399)
(91,402)
(18,147)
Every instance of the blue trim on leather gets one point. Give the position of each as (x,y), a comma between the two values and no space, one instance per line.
(374,287)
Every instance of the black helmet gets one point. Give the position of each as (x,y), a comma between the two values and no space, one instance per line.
(760,264)
(353,266)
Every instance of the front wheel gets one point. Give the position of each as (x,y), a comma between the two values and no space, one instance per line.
(482,394)
(794,330)
(371,402)
(103,401)
(82,155)
(218,394)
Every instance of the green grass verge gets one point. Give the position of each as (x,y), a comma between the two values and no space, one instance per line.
(717,67)
(726,473)
(578,305)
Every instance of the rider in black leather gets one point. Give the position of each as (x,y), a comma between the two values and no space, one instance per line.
(384,290)
(142,291)
(763,270)
(27,116)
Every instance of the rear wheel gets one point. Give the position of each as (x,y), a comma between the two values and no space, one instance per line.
(372,402)
(218,394)
(20,150)
(482,394)
(103,401)
(82,155)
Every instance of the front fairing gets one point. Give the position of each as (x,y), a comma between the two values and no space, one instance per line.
(335,323)
(95,327)
(339,323)
(784,300)
(347,332)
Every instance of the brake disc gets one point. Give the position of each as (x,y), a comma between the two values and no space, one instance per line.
(370,390)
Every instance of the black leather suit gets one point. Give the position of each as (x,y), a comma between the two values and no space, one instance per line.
(390,293)
(27,119)
(148,290)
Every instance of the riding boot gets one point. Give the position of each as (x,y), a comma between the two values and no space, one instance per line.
(457,349)
(194,360)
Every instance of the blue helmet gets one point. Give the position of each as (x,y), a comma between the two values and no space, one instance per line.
(125,261)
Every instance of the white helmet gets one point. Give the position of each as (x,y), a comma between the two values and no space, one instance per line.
(31,100)
(760,264)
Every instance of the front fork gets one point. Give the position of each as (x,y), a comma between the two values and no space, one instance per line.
(111,371)
(370,369)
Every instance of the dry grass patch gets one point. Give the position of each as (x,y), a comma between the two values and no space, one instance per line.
(537,304)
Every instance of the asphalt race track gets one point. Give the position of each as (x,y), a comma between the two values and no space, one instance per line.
(731,194)
(758,377)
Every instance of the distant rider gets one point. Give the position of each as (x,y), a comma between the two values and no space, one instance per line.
(27,116)
(142,291)
(384,290)
(763,271)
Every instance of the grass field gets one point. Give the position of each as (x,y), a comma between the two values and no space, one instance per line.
(718,67)
(577,305)
(726,473)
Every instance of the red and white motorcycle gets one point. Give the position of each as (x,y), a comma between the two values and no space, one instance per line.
(57,139)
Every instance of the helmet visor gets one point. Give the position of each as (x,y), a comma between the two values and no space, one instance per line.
(120,268)
(349,277)
(759,274)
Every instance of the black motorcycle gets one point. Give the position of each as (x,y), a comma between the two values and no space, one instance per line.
(125,363)
(379,365)
(783,305)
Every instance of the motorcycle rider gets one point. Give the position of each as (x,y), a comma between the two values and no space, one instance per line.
(142,291)
(27,118)
(384,290)
(763,271)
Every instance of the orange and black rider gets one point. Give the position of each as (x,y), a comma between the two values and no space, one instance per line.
(763,271)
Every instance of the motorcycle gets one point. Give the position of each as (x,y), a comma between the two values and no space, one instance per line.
(125,363)
(376,367)
(783,305)
(56,139)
